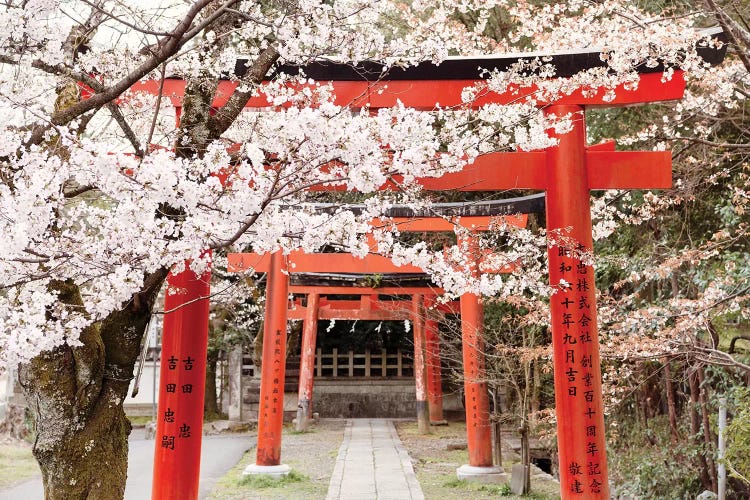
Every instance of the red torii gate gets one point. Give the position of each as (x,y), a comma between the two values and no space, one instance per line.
(425,332)
(567,172)
(368,308)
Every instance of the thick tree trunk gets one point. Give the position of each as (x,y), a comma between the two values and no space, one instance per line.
(695,428)
(671,406)
(535,394)
(708,438)
(75,395)
(641,400)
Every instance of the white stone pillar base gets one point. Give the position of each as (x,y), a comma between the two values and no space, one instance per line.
(489,475)
(275,471)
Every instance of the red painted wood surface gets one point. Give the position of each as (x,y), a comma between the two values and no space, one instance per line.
(438,224)
(432,359)
(428,94)
(476,399)
(300,262)
(375,310)
(575,341)
(271,410)
(499,171)
(307,354)
(357,290)
(182,382)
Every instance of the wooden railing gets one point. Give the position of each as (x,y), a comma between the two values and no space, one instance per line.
(369,364)
(379,363)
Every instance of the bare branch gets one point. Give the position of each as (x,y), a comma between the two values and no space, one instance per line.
(157,107)
(114,109)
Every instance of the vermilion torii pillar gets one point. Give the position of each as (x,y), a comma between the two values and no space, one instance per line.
(432,358)
(182,379)
(575,339)
(476,398)
(307,361)
(271,411)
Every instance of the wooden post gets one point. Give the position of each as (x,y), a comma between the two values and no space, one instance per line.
(420,371)
(307,362)
(235,384)
(475,387)
(432,358)
(179,425)
(478,427)
(575,339)
(271,417)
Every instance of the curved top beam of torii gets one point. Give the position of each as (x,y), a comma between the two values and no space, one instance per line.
(428,85)
(566,64)
(483,208)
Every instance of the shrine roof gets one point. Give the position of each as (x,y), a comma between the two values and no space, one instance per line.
(488,208)
(360,280)
(566,63)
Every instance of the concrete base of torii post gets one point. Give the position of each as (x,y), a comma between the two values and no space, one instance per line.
(275,471)
(487,475)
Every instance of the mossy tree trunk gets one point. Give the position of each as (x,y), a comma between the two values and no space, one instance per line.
(76,394)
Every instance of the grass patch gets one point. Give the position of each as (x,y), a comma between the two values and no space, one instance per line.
(259,482)
(502,490)
(16,464)
(495,490)
(140,419)
(236,486)
(295,432)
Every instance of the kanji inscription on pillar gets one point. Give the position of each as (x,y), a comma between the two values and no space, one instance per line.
(574,326)
(178,381)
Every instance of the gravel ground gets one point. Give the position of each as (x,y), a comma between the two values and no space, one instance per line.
(311,455)
(435,465)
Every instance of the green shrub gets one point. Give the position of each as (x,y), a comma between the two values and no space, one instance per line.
(738,437)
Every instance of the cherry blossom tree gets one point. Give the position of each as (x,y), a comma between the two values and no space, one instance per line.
(101,194)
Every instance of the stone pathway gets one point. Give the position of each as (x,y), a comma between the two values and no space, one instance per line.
(373,464)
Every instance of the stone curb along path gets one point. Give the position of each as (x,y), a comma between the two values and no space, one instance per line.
(373,464)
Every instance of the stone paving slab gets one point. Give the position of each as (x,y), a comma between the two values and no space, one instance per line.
(373,464)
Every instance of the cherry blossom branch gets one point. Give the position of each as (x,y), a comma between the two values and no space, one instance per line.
(167,47)
(733,31)
(125,23)
(224,117)
(706,142)
(157,107)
